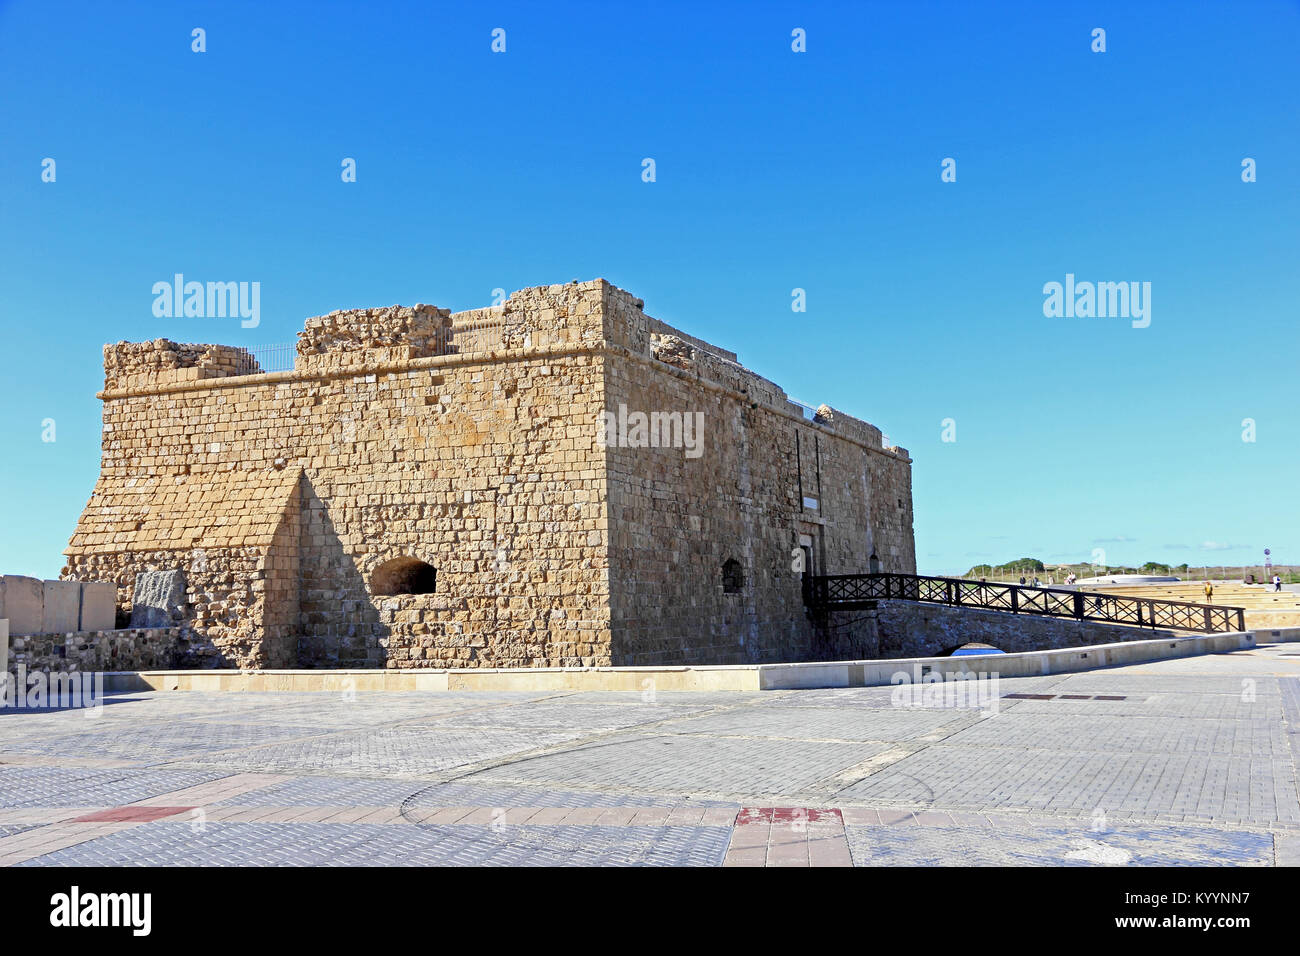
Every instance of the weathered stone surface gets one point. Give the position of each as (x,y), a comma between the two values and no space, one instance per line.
(163,361)
(22,601)
(111,650)
(98,606)
(394,333)
(913,629)
(61,607)
(471,442)
(672,350)
(158,599)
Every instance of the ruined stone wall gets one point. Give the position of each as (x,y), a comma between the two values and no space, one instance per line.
(129,649)
(162,361)
(356,337)
(225,599)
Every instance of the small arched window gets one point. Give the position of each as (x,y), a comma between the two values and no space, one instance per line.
(733,577)
(403,576)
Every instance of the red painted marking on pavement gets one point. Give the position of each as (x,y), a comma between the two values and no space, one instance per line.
(778,815)
(788,836)
(130,815)
(805,815)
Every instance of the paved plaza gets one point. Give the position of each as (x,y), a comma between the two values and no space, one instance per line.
(1190,761)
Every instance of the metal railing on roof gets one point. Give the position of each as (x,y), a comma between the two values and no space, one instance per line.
(483,336)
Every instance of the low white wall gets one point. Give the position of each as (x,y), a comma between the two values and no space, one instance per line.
(1276,635)
(738,677)
(1026,664)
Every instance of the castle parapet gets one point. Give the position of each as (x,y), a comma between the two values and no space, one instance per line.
(390,335)
(164,362)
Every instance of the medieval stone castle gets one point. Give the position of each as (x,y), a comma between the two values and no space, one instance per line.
(560,480)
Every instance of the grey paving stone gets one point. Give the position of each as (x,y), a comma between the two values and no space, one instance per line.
(163,742)
(83,787)
(566,714)
(324,844)
(1196,765)
(399,751)
(824,723)
(1057,846)
(690,764)
(345,792)
(1153,733)
(1240,789)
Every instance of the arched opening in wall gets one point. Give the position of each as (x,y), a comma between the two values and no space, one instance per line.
(733,576)
(403,576)
(973,649)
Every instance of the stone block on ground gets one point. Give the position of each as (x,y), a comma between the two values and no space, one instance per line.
(22,602)
(98,606)
(159,598)
(61,612)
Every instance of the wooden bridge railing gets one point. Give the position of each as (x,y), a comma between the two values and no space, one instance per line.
(843,592)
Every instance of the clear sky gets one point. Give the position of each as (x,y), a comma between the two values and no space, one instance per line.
(775,170)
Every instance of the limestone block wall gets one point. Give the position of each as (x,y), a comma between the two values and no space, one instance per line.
(225,593)
(765,480)
(484,466)
(469,445)
(915,629)
(486,471)
(356,337)
(163,361)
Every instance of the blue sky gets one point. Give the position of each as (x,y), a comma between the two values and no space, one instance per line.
(775,170)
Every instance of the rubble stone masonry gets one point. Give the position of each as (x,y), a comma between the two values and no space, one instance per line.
(463,455)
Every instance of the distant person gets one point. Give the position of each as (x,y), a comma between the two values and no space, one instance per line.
(1277,583)
(1036,582)
(1209,592)
(1022,580)
(1051,580)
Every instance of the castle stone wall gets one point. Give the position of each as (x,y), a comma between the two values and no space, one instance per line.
(473,443)
(765,478)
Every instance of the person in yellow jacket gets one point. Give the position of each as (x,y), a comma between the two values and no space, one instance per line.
(1209,593)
